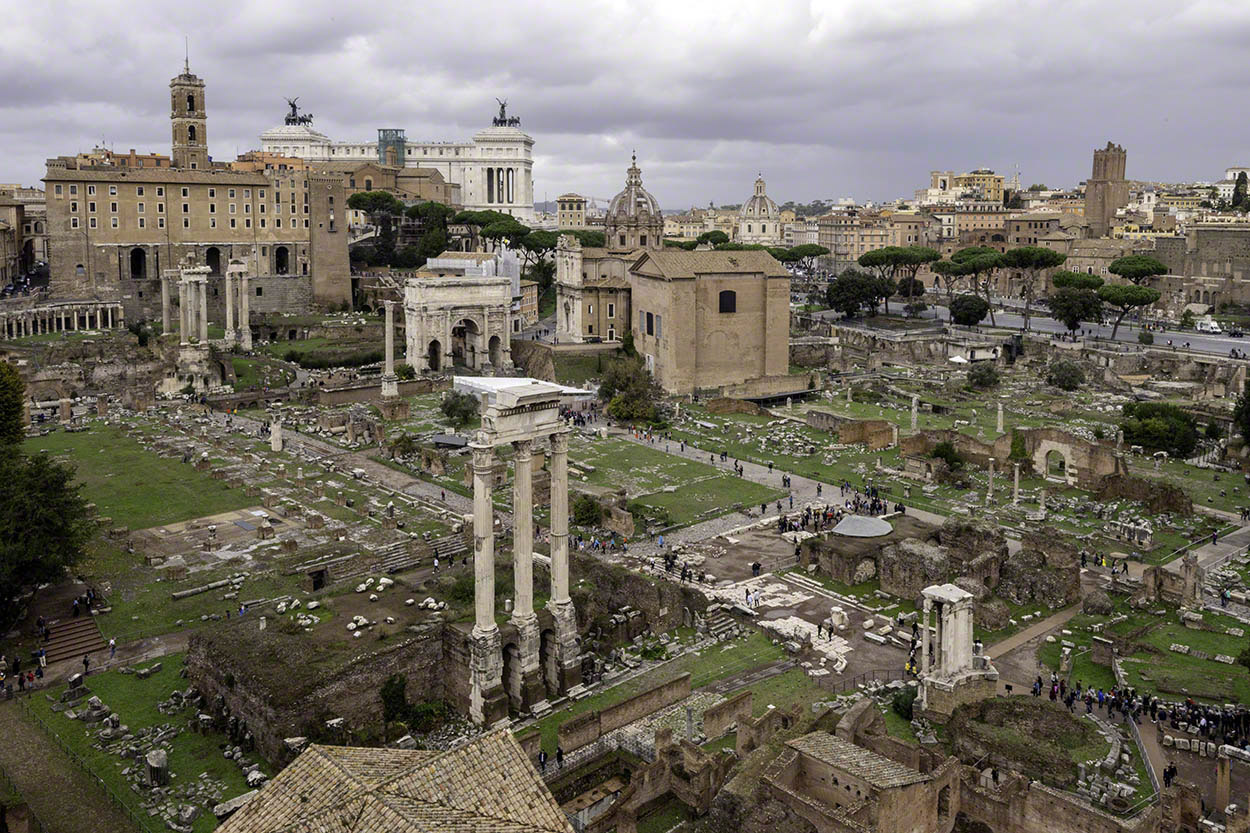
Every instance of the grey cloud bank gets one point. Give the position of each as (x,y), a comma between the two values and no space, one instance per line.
(826,98)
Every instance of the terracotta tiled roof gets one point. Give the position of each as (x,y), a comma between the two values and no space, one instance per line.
(877,770)
(488,786)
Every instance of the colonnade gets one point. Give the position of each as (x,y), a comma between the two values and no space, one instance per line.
(488,700)
(56,318)
(238,304)
(193,306)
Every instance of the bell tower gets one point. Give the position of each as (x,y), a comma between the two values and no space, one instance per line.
(189,119)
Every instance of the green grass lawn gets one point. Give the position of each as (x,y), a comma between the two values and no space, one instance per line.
(577,370)
(190,753)
(135,487)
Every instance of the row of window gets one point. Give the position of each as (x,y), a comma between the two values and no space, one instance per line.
(74,223)
(58,190)
(650,323)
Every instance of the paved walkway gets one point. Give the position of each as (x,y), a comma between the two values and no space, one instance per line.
(1032,632)
(62,796)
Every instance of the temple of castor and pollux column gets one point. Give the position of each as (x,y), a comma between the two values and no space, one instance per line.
(531,654)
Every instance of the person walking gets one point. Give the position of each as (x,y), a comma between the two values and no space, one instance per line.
(559,757)
(542,760)
(112,648)
(86,665)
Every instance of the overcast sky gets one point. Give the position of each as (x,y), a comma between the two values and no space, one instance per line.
(827,99)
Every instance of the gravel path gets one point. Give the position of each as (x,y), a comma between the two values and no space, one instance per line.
(62,796)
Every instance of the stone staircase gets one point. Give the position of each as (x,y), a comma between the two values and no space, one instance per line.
(71,638)
(720,625)
(449,547)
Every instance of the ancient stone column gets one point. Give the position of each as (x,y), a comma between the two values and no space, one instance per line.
(848,393)
(915,412)
(1000,417)
(245,311)
(275,435)
(924,638)
(483,540)
(1221,782)
(390,384)
(231,335)
(184,313)
(1015,484)
(202,286)
(989,493)
(522,528)
(560,519)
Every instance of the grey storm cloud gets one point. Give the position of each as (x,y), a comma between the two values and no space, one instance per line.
(827,98)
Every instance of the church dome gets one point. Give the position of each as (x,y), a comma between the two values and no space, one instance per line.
(760,206)
(634,219)
(635,201)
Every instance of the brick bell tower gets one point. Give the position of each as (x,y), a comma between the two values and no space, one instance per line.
(189,120)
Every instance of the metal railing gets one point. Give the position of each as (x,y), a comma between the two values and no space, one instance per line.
(142,821)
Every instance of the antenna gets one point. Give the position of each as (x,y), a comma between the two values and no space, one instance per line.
(186,51)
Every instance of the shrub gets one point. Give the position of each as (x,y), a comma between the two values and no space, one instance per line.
(1018,451)
(1065,375)
(394,697)
(405,371)
(983,375)
(459,408)
(1213,431)
(1159,426)
(946,451)
(904,702)
(1145,337)
(586,511)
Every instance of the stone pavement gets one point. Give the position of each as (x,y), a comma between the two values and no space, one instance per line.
(60,793)
(1037,629)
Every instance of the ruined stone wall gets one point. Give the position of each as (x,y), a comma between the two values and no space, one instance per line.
(1019,806)
(1157,497)
(600,590)
(263,679)
(725,405)
(588,727)
(813,352)
(719,719)
(534,359)
(372,391)
(281,294)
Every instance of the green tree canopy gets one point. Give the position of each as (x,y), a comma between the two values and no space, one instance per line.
(807,253)
(376,203)
(430,213)
(1075,280)
(979,263)
(12,406)
(459,408)
(506,232)
(537,245)
(1137,268)
(1031,261)
(1241,416)
(588,238)
(851,291)
(782,254)
(713,238)
(1159,426)
(631,393)
(1239,191)
(968,310)
(1126,297)
(1072,306)
(1065,375)
(44,524)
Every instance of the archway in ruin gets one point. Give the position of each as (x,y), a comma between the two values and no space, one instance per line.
(496,351)
(513,682)
(435,355)
(1056,465)
(466,343)
(212,259)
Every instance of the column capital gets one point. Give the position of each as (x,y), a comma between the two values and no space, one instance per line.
(560,441)
(483,455)
(523,449)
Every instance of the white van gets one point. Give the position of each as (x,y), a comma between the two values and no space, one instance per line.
(1208,325)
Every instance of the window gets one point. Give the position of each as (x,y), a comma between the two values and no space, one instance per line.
(231,193)
(91,190)
(73,189)
(160,222)
(160,208)
(112,190)
(114,222)
(186,208)
(79,270)
(160,191)
(191,133)
(611,310)
(57,190)
(277,222)
(91,207)
(139,208)
(590,309)
(186,193)
(728,300)
(142,223)
(138,190)
(247,208)
(260,290)
(659,330)
(642,321)
(186,223)
(247,223)
(261,193)
(232,225)
(232,208)
(212,192)
(262,208)
(650,324)
(262,222)
(113,208)
(91,222)
(622,240)
(73,207)
(73,222)
(212,222)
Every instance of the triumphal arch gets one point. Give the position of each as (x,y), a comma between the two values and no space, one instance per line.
(463,320)
(532,656)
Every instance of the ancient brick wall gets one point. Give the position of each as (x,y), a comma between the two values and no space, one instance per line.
(590,726)
(719,719)
(535,359)
(1022,807)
